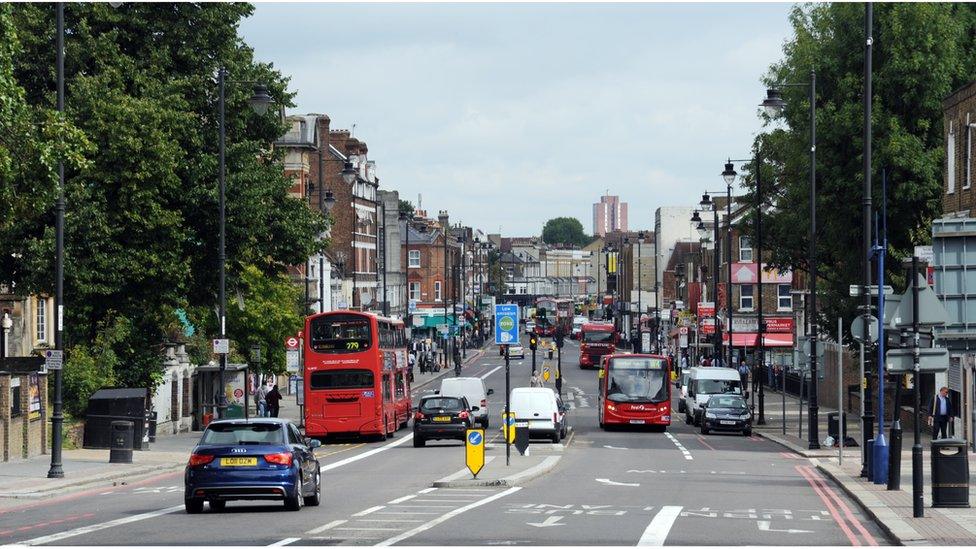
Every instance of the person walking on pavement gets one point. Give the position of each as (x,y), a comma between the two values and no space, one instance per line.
(744,373)
(457,361)
(274,401)
(262,398)
(411,360)
(940,413)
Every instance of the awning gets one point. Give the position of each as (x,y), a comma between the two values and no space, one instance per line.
(751,339)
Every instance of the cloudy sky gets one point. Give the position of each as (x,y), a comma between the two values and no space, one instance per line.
(509,114)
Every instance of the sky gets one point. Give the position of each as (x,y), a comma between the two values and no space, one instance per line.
(507,115)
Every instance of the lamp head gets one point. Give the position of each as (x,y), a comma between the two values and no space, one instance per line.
(706,203)
(695,218)
(702,230)
(329,201)
(260,100)
(773,104)
(640,237)
(348,172)
(729,174)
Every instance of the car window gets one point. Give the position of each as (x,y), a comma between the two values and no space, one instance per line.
(296,437)
(726,402)
(445,404)
(239,433)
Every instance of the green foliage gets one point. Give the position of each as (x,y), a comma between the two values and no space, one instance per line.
(921,53)
(406,207)
(565,230)
(140,140)
(496,274)
(90,367)
(271,312)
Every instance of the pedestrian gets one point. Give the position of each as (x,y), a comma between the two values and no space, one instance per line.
(412,360)
(274,401)
(940,413)
(744,373)
(261,395)
(457,361)
(535,380)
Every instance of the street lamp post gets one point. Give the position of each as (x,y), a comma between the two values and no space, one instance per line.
(406,271)
(349,176)
(462,239)
(640,308)
(774,105)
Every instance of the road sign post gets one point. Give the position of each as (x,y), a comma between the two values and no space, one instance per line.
(522,437)
(507,333)
(474,450)
(53,359)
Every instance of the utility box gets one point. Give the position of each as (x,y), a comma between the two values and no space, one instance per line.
(116,404)
(950,473)
(833,424)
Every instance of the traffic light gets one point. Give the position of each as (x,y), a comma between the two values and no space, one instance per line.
(533,342)
(559,339)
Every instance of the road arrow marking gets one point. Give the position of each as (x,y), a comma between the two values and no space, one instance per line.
(614,447)
(550,521)
(764,527)
(609,482)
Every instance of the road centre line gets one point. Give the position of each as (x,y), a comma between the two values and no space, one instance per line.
(684,450)
(401,500)
(447,516)
(491,372)
(100,526)
(365,512)
(657,531)
(407,513)
(365,455)
(327,526)
(284,542)
(388,520)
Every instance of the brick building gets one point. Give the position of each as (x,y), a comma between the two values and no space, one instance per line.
(429,283)
(609,214)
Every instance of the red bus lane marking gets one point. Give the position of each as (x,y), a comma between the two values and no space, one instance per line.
(829,504)
(45,523)
(92,491)
(843,505)
(707,445)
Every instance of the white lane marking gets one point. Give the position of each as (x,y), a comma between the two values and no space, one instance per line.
(365,455)
(764,527)
(388,520)
(426,490)
(439,500)
(447,516)
(550,521)
(425,506)
(609,482)
(684,450)
(365,512)
(614,447)
(284,542)
(406,513)
(327,526)
(100,526)
(401,500)
(371,529)
(491,372)
(657,531)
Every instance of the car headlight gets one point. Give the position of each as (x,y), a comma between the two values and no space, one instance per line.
(710,415)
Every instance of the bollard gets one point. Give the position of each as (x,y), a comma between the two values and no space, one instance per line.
(869,453)
(894,457)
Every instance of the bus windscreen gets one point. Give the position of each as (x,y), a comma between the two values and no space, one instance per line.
(637,380)
(340,334)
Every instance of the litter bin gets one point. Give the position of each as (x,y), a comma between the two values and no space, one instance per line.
(832,424)
(950,473)
(120,450)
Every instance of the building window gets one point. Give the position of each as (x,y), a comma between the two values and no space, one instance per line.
(784,301)
(745,249)
(951,160)
(41,326)
(414,259)
(437,290)
(745,297)
(415,291)
(15,396)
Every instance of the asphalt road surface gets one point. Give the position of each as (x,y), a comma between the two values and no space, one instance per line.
(610,488)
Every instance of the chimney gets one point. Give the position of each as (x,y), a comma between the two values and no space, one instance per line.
(443,219)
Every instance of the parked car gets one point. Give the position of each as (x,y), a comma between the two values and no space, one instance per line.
(683,387)
(703,382)
(540,407)
(440,417)
(726,413)
(256,459)
(474,390)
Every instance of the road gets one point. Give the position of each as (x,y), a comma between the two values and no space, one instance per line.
(609,488)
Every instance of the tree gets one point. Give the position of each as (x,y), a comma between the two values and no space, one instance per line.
(142,224)
(921,53)
(496,275)
(406,207)
(564,230)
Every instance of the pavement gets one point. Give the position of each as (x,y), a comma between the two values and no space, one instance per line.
(891,509)
(599,487)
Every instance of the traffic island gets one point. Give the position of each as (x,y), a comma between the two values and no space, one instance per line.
(542,458)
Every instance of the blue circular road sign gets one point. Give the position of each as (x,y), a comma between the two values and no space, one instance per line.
(475,438)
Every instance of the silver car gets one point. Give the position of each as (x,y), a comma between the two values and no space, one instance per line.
(516,351)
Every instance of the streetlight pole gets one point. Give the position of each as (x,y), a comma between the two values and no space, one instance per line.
(867,421)
(406,271)
(657,294)
(57,419)
(349,176)
(640,307)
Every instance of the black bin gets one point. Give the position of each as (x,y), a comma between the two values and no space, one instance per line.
(116,404)
(950,473)
(832,424)
(121,448)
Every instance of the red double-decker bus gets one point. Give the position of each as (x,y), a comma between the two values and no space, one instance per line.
(635,390)
(355,374)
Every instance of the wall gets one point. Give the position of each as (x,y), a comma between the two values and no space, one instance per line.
(174,416)
(21,436)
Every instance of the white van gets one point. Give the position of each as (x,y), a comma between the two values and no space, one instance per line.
(540,407)
(472,388)
(703,382)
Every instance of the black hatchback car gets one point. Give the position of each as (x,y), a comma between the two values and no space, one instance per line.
(440,417)
(726,413)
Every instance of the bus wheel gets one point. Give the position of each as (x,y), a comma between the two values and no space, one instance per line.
(389,432)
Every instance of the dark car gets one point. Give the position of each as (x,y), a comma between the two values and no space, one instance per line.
(440,417)
(726,413)
(257,459)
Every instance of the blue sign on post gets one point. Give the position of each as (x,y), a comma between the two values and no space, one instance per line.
(506,324)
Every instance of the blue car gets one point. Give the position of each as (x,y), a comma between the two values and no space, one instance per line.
(257,459)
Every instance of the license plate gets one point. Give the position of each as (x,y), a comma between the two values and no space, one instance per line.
(238,462)
(727,422)
(637,421)
(442,419)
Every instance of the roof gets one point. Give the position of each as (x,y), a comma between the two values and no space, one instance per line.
(302,136)
(253,420)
